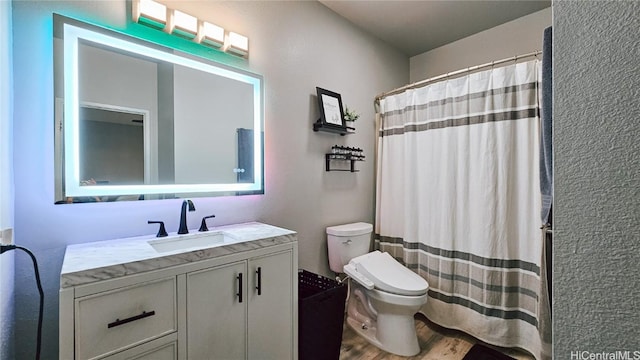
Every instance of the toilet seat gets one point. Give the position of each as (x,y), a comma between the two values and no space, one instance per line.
(388,275)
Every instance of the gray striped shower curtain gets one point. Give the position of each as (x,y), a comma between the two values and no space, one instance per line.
(458,201)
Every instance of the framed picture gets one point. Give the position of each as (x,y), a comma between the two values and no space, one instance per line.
(330,104)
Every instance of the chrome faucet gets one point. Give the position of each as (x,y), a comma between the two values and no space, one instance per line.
(183,216)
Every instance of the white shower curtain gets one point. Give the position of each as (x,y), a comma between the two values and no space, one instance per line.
(458,201)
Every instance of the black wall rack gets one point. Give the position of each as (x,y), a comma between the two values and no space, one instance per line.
(330,157)
(342,153)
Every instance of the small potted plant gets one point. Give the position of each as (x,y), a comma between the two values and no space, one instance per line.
(350,115)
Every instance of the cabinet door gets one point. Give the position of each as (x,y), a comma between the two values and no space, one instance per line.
(271,307)
(216,312)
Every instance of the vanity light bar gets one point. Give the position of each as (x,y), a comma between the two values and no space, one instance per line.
(156,15)
(150,13)
(237,44)
(184,24)
(212,34)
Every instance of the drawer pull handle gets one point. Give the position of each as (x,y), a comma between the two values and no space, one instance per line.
(259,287)
(239,287)
(119,322)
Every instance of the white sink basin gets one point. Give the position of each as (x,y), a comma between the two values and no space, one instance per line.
(189,241)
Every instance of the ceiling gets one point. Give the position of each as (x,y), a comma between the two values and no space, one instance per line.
(414,27)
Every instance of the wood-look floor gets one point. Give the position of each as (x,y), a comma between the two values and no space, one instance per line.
(436,343)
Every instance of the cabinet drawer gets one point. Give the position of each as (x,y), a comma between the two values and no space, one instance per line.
(165,348)
(114,320)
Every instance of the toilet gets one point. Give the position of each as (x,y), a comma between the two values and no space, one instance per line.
(383,294)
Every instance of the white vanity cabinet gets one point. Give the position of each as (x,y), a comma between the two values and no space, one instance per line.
(233,302)
(242,310)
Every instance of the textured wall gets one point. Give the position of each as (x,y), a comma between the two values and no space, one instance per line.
(597,177)
(296,46)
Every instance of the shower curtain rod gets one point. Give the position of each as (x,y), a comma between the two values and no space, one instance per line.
(454,73)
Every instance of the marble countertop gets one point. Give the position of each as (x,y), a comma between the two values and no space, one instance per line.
(102,260)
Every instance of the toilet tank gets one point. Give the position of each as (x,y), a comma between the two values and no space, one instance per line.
(345,242)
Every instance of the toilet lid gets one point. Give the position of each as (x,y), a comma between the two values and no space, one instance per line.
(389,275)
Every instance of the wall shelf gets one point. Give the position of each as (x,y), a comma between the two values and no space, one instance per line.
(335,129)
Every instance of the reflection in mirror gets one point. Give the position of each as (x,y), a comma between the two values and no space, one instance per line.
(135,120)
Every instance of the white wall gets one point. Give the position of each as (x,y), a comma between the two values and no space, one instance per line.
(517,37)
(596,263)
(7,307)
(296,46)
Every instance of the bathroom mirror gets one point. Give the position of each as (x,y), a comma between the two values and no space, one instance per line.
(136,120)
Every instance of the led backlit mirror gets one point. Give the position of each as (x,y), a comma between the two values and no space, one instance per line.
(135,120)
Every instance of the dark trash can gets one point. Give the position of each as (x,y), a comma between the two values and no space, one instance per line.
(320,316)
